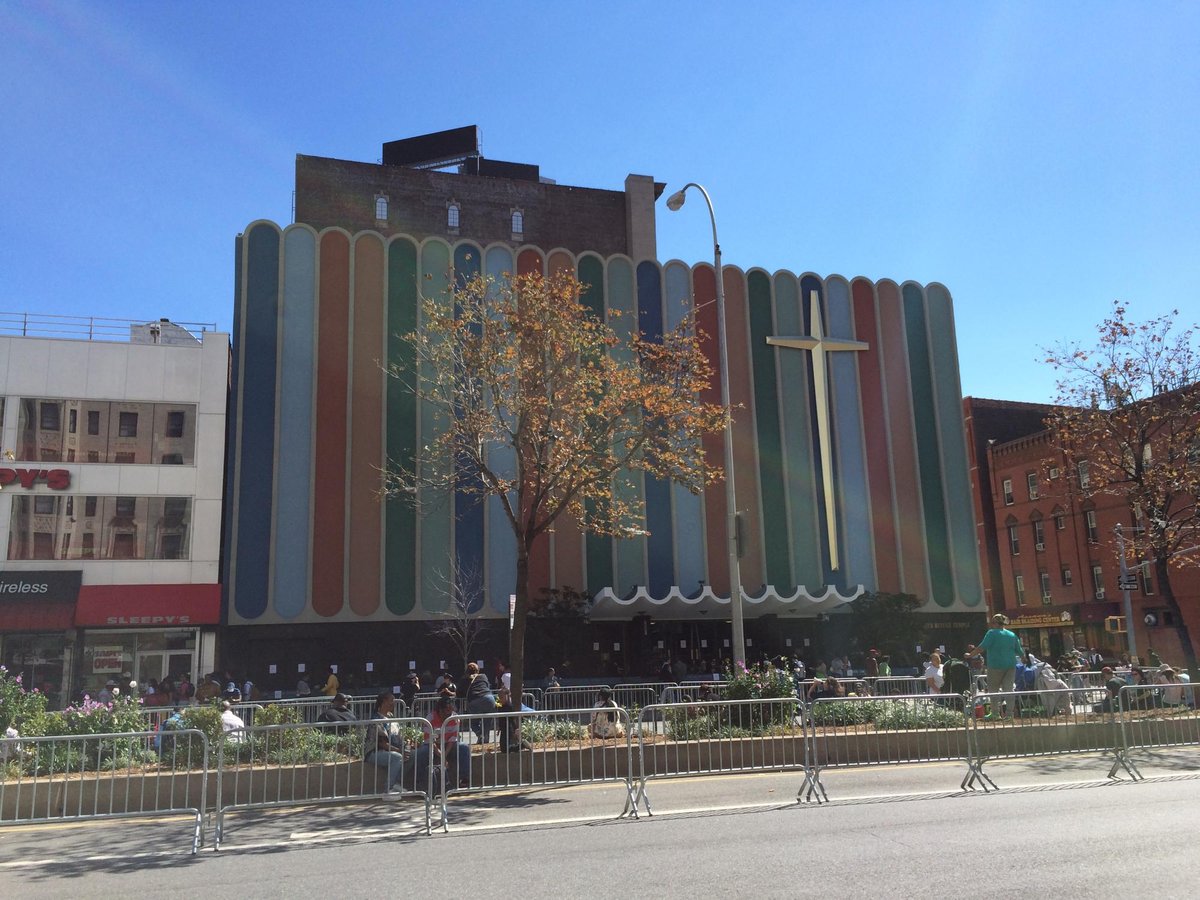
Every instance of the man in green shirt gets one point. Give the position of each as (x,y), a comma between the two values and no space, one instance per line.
(1001,649)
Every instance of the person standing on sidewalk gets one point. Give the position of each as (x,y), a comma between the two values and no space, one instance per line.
(1001,649)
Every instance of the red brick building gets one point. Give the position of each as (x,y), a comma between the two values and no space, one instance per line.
(1050,551)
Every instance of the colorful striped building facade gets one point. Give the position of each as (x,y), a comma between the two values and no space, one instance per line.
(315,419)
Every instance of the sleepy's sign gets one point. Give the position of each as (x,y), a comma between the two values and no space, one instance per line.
(55,479)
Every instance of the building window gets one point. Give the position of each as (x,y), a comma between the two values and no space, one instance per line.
(70,505)
(518,223)
(1085,474)
(43,505)
(89,507)
(72,420)
(172,459)
(381,207)
(93,421)
(1020,582)
(125,458)
(1039,535)
(1044,578)
(1098,581)
(1060,522)
(175,420)
(1031,482)
(1093,534)
(452,211)
(1053,472)
(1067,578)
(126,507)
(88,550)
(49,419)
(1014,541)
(1147,579)
(115,527)
(127,424)
(1008,492)
(93,456)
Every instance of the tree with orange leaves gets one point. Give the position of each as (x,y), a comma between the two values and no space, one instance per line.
(544,407)
(1130,408)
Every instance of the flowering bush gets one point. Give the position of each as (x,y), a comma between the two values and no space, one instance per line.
(19,708)
(760,681)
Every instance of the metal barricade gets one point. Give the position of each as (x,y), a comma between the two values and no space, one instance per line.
(1027,724)
(896,685)
(526,750)
(1156,716)
(104,776)
(851,732)
(635,696)
(303,764)
(718,737)
(569,698)
(691,692)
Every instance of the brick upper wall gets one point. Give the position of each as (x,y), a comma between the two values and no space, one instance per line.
(339,192)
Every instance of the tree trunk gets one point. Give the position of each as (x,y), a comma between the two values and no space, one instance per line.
(516,637)
(1163,571)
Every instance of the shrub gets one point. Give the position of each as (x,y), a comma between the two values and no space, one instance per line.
(900,716)
(836,713)
(19,708)
(538,730)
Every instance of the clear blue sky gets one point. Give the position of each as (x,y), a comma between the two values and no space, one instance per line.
(1040,159)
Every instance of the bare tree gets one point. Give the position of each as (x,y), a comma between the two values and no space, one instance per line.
(462,623)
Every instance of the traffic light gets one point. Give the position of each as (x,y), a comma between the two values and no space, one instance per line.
(1115,624)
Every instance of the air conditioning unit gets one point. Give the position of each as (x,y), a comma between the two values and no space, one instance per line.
(1039,546)
(1100,594)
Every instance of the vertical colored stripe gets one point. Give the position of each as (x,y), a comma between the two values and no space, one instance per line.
(329,489)
(232,437)
(599,547)
(293,510)
(660,557)
(365,546)
(255,488)
(687,508)
(436,525)
(400,534)
(766,414)
(745,452)
(874,412)
(468,505)
(716,535)
(800,474)
(937,536)
(964,560)
(628,486)
(501,541)
(906,476)
(855,502)
(568,536)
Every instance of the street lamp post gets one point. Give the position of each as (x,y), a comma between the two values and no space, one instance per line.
(674,202)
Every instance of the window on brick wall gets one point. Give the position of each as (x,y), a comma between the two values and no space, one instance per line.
(1039,535)
(452,211)
(1093,533)
(1031,482)
(1014,541)
(381,208)
(1044,579)
(518,223)
(1019,582)
(1006,487)
(1067,578)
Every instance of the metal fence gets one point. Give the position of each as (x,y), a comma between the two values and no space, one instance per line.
(1156,717)
(565,698)
(524,750)
(105,776)
(850,732)
(304,764)
(718,737)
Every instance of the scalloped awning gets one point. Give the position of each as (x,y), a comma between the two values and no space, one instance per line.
(704,604)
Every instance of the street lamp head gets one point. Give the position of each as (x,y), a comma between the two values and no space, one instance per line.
(675,200)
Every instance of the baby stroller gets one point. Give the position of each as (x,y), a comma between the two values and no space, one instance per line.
(1046,679)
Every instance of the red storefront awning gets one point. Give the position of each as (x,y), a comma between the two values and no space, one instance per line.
(148,605)
(34,600)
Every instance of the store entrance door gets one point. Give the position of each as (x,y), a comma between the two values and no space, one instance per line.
(158,664)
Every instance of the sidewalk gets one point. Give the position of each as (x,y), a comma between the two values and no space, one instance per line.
(137,843)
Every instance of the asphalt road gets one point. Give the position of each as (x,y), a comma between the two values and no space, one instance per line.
(1058,840)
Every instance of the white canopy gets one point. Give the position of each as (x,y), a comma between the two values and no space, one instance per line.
(704,604)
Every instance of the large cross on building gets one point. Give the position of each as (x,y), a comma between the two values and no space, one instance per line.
(821,346)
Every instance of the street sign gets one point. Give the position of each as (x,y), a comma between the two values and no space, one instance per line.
(1128,584)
